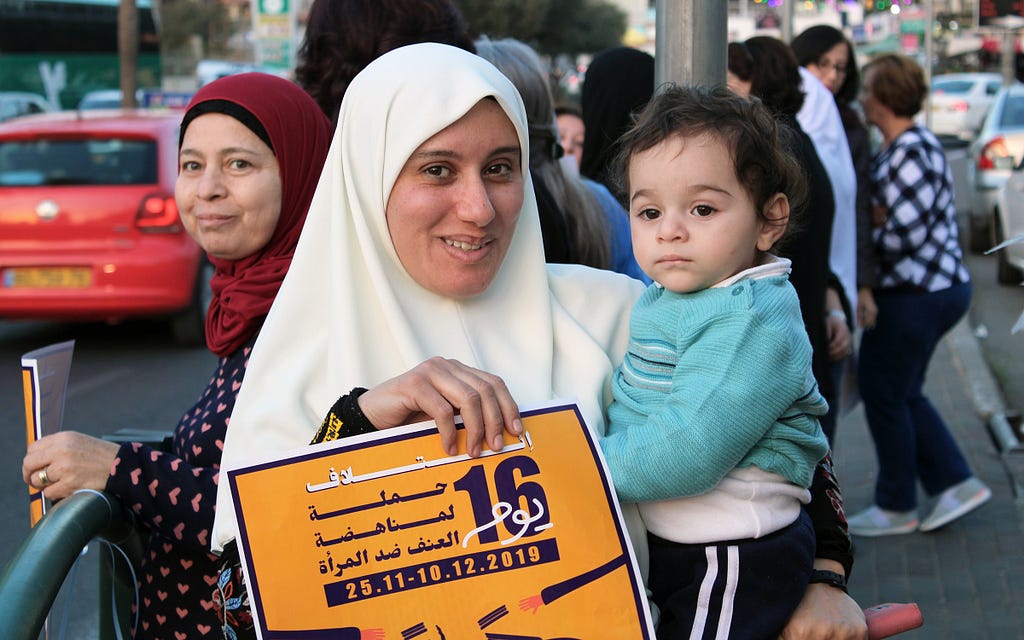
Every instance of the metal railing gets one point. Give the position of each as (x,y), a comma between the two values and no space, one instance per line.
(33,577)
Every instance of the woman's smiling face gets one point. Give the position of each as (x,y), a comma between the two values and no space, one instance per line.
(453,209)
(228,189)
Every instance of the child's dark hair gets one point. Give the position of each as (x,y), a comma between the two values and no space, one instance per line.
(760,145)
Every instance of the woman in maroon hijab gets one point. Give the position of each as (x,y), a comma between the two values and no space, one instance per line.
(251,151)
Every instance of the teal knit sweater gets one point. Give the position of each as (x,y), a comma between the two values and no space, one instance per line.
(714,380)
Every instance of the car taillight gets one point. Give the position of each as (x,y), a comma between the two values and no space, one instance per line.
(959,106)
(994,153)
(158,214)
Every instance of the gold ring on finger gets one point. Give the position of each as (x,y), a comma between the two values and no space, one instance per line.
(44,479)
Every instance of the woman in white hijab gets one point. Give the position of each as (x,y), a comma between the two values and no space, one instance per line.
(420,274)
(352,312)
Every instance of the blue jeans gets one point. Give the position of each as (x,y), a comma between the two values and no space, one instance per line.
(911,440)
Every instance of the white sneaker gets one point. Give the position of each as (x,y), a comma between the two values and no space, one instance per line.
(875,522)
(956,501)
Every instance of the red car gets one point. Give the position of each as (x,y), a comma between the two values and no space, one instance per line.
(89,230)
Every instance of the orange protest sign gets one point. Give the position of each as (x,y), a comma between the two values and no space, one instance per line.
(389,537)
(36,502)
(44,378)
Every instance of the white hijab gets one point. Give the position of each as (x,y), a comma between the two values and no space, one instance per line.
(349,315)
(819,118)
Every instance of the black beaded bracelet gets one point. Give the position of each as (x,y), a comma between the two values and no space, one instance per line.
(345,419)
(831,578)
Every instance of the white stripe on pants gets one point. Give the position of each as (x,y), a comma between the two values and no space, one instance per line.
(732,572)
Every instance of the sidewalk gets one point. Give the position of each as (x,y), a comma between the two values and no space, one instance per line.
(968,577)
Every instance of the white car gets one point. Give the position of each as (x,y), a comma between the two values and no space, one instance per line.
(959,102)
(1009,223)
(998,148)
(105,99)
(209,70)
(21,103)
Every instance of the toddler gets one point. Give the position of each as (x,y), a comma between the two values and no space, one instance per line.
(714,425)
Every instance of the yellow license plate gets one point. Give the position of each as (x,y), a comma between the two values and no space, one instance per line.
(48,278)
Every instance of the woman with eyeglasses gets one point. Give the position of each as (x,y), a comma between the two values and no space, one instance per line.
(828,55)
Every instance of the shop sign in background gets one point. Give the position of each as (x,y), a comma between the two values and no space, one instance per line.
(275,30)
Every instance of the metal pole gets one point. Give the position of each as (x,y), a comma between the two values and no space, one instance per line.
(1011,25)
(788,7)
(929,51)
(128,50)
(691,38)
(1006,59)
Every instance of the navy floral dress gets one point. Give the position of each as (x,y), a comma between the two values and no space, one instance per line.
(173,495)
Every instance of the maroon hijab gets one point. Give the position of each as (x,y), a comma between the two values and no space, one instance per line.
(299,133)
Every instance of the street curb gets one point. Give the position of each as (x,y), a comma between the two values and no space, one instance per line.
(981,385)
(1002,433)
(970,361)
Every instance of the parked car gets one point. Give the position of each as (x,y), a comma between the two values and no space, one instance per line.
(959,102)
(1009,223)
(993,154)
(209,70)
(21,103)
(105,99)
(89,230)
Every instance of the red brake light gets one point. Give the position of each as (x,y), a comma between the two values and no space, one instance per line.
(994,150)
(158,214)
(959,106)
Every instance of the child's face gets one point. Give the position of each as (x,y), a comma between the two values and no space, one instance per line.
(570,130)
(693,223)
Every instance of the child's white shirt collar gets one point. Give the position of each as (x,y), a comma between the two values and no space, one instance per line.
(772,266)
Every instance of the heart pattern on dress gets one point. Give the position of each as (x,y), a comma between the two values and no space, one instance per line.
(174,494)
